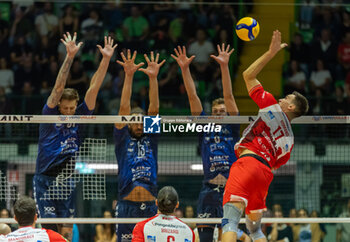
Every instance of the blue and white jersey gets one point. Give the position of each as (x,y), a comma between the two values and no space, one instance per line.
(137,161)
(57,142)
(217,150)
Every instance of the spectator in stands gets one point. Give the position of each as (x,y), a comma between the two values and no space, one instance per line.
(179,213)
(22,25)
(160,36)
(344,54)
(4,229)
(113,15)
(279,232)
(91,28)
(320,78)
(314,214)
(299,51)
(326,50)
(306,232)
(4,34)
(77,79)
(343,229)
(318,104)
(306,13)
(69,21)
(329,20)
(7,80)
(202,49)
(47,25)
(25,215)
(105,232)
(19,51)
(339,106)
(177,28)
(27,73)
(222,37)
(345,23)
(295,79)
(135,29)
(225,20)
(168,83)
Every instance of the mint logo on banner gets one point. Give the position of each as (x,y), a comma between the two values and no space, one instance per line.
(151,124)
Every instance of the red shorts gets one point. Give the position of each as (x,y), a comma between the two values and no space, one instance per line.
(249,180)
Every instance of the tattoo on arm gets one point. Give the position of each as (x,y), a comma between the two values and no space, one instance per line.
(60,82)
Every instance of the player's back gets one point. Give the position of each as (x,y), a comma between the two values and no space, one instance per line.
(163,228)
(30,234)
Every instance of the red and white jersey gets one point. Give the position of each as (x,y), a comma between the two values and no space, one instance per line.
(162,228)
(270,135)
(30,234)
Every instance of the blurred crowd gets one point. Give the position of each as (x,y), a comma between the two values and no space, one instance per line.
(319,64)
(31,52)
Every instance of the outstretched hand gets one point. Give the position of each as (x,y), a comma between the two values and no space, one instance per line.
(153,66)
(182,60)
(69,42)
(276,44)
(224,54)
(129,63)
(108,50)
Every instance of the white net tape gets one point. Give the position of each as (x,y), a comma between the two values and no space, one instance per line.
(186,220)
(330,119)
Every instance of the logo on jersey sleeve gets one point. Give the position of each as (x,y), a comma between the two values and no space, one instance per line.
(151,124)
(151,238)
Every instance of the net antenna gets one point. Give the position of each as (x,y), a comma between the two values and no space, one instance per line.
(92,153)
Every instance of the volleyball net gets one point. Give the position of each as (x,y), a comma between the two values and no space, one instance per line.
(317,174)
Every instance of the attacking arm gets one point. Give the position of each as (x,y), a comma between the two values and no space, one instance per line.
(223,59)
(184,62)
(98,77)
(152,71)
(129,68)
(254,69)
(61,79)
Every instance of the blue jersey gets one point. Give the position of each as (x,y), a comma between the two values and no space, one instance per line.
(57,142)
(137,161)
(217,150)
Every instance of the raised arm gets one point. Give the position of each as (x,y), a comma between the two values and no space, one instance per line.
(99,76)
(152,71)
(62,76)
(223,59)
(254,69)
(184,62)
(129,68)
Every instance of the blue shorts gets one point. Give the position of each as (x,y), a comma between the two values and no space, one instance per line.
(210,202)
(129,209)
(54,201)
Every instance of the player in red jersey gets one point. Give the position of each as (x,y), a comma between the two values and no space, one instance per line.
(165,226)
(25,215)
(265,145)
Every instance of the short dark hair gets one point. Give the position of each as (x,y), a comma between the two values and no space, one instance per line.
(218,101)
(137,110)
(70,94)
(25,210)
(301,103)
(167,200)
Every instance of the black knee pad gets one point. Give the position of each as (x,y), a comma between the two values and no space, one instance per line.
(206,234)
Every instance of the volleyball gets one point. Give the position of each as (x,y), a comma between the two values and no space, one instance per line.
(247,29)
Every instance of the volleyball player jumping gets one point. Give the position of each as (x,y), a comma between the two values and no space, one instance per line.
(58,143)
(136,153)
(266,145)
(216,148)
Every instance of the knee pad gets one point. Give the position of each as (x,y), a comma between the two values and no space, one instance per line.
(206,234)
(232,216)
(254,228)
